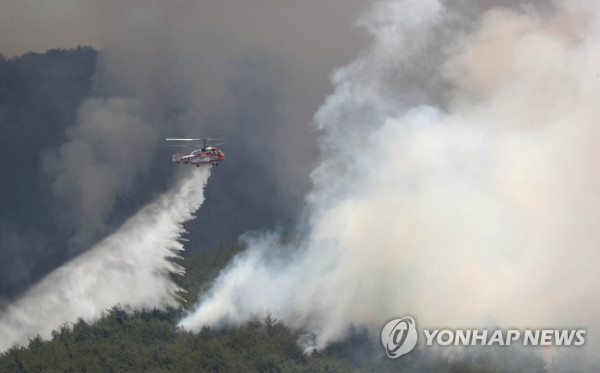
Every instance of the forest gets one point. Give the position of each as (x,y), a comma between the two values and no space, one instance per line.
(126,340)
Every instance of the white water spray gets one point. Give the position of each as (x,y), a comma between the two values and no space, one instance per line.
(130,267)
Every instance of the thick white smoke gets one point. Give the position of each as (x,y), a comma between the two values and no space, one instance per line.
(130,267)
(478,210)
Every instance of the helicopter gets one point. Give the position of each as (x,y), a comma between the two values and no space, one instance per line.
(203,155)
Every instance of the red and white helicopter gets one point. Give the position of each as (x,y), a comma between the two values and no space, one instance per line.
(206,155)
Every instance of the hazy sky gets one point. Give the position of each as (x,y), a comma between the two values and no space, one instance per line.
(323,27)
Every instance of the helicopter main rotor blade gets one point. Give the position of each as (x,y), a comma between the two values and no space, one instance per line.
(183,139)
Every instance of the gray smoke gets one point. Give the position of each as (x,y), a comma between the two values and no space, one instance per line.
(193,70)
(458,182)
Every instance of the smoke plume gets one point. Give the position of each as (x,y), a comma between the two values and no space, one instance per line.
(130,267)
(459,181)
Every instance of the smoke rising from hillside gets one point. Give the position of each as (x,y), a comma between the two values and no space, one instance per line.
(130,267)
(466,198)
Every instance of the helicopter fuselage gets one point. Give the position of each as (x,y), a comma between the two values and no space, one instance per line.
(210,155)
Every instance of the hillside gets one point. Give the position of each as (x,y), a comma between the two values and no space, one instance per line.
(40,94)
(150,341)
